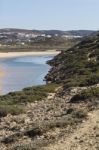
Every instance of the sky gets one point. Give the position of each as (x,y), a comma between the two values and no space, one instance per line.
(50,14)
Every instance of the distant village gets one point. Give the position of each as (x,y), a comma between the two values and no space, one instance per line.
(9,37)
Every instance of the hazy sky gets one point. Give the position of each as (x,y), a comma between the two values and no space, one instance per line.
(50,14)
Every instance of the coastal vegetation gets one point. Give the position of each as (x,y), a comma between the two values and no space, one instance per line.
(15,102)
(78,66)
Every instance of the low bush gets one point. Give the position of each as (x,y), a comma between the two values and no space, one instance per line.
(86,95)
(10,109)
(11,102)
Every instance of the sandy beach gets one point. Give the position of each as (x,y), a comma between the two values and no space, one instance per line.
(19,54)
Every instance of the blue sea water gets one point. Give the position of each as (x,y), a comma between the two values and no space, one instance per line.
(21,72)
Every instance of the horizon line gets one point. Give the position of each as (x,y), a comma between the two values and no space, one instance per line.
(48,29)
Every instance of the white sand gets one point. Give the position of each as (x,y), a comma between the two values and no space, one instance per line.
(19,54)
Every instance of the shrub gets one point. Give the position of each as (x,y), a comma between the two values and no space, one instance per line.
(10,109)
(79,113)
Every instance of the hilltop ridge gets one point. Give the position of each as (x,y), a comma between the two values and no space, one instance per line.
(48,32)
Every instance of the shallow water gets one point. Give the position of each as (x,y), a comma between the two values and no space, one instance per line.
(18,73)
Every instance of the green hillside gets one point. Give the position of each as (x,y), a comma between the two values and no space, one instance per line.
(78,66)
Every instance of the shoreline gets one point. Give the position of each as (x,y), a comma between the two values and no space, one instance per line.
(35,53)
(11,55)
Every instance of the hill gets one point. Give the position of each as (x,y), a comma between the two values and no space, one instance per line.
(79,62)
(12,39)
(37,44)
(49,32)
(64,113)
(69,33)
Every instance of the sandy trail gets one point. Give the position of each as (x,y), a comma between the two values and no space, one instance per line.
(86,137)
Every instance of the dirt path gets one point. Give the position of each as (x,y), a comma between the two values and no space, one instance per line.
(86,137)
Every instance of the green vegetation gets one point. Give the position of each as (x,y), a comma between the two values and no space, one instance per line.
(76,113)
(78,66)
(30,94)
(91,94)
(10,109)
(12,102)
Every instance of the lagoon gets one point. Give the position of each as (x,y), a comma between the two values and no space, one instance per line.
(20,72)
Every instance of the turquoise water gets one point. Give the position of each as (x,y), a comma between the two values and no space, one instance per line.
(18,73)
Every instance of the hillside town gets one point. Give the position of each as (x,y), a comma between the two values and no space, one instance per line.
(21,36)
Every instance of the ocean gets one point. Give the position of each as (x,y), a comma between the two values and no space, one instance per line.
(20,72)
